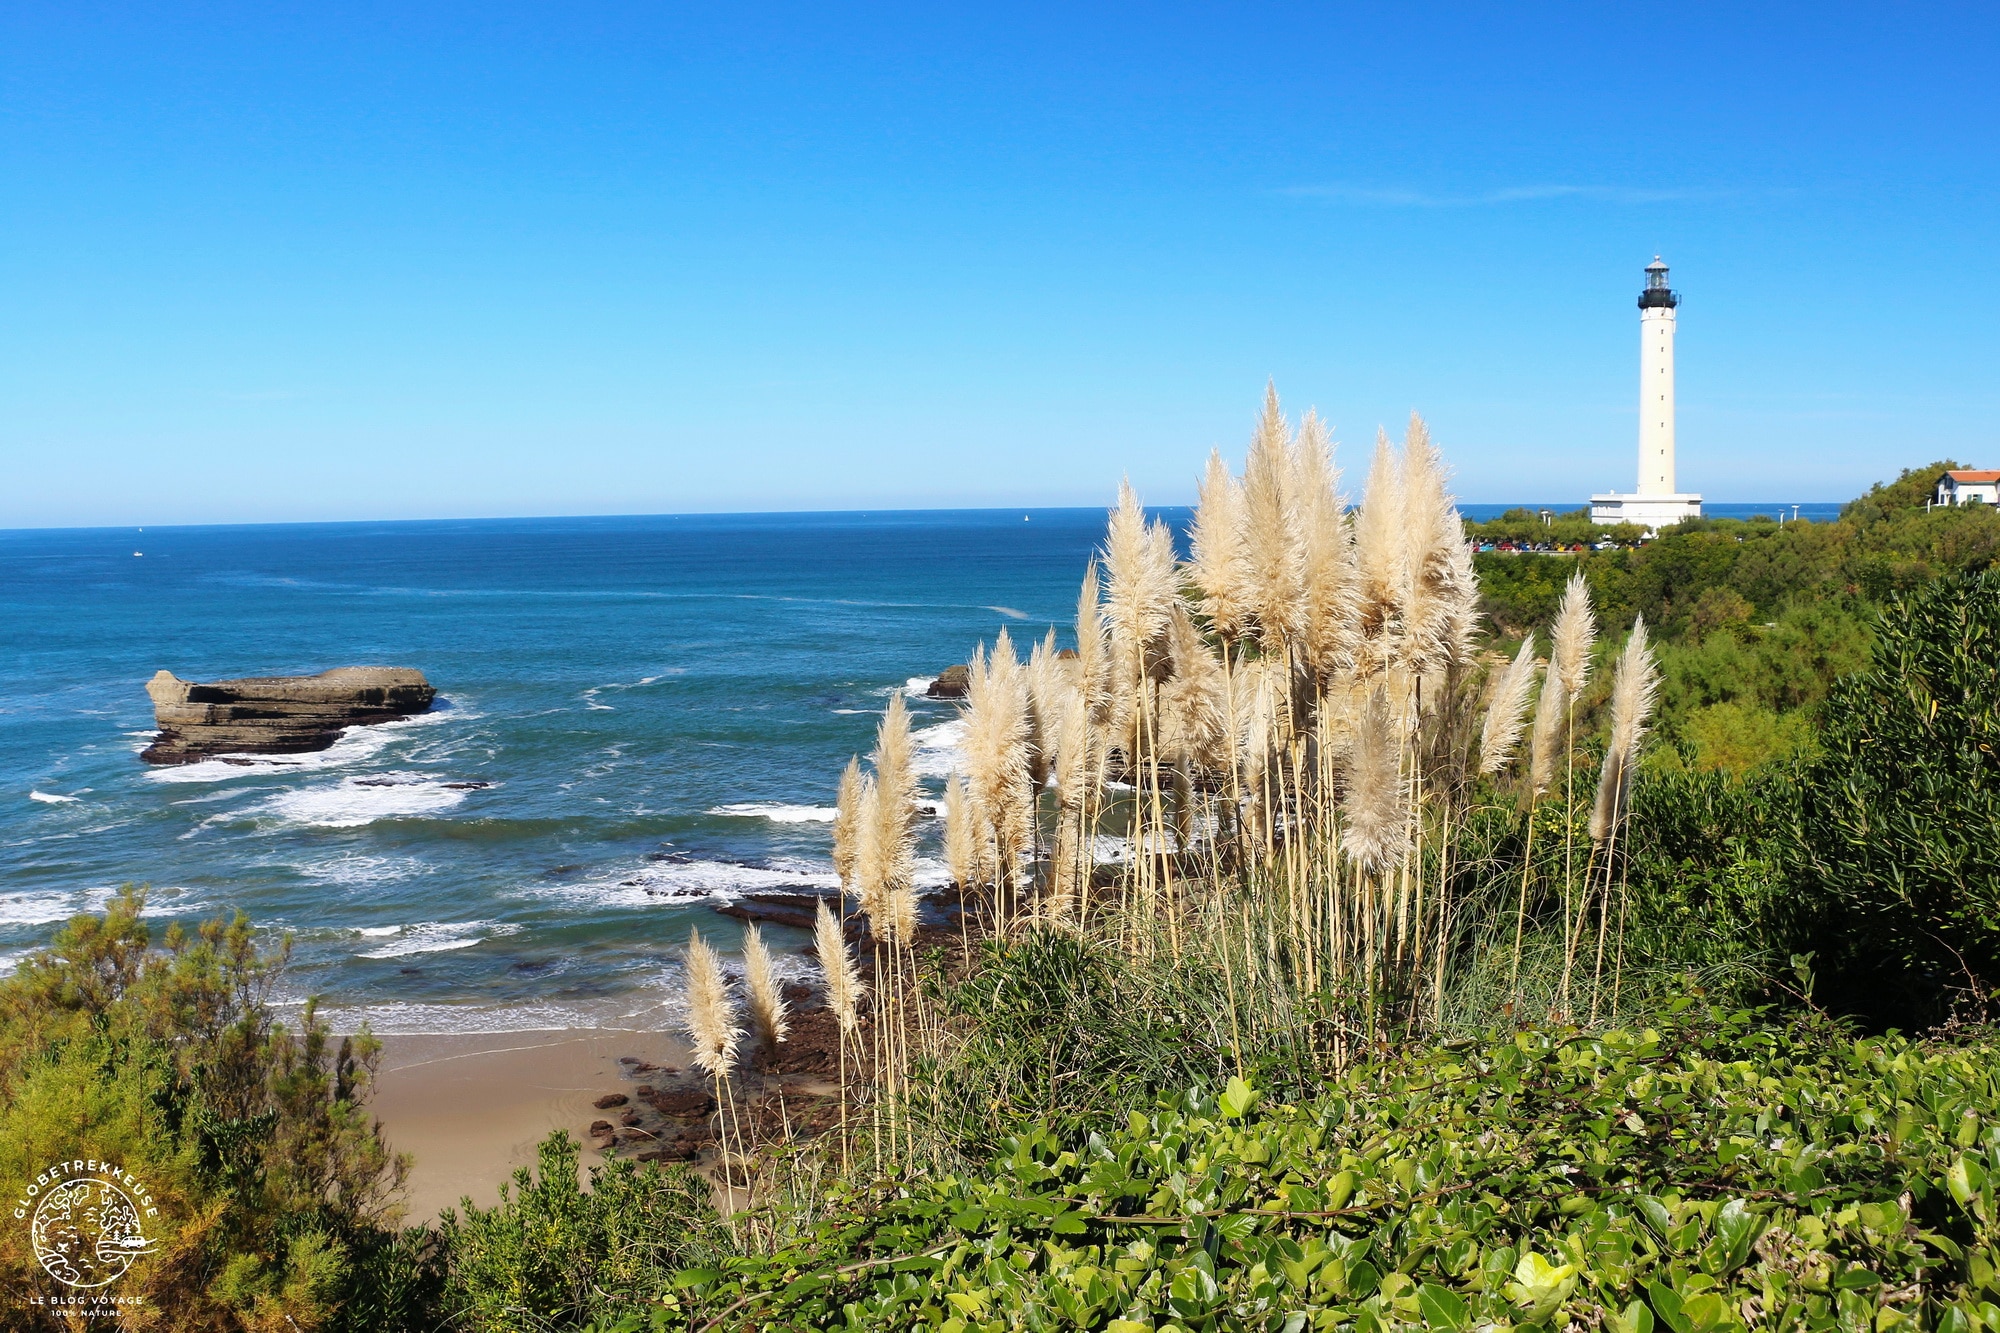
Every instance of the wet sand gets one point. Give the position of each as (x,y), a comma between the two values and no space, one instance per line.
(472,1107)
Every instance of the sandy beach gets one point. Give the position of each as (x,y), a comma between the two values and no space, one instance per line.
(472,1107)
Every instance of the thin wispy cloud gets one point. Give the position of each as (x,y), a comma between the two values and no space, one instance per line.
(1399,197)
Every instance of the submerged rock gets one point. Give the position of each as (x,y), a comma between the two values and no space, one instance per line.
(276,714)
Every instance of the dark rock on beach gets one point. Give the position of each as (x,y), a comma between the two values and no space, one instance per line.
(609,1100)
(276,714)
(782,908)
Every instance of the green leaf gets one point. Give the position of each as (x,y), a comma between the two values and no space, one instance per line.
(1636,1318)
(1237,1099)
(1703,1311)
(1666,1304)
(1193,1293)
(1442,1307)
(1965,1179)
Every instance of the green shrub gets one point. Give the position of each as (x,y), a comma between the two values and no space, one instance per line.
(274,1188)
(550,1255)
(1712,1174)
(1900,824)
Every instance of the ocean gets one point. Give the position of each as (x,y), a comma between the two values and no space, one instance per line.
(660,708)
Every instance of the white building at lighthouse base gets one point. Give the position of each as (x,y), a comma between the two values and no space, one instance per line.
(1651,512)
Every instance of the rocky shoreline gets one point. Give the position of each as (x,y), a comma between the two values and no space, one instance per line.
(792,1091)
(665,1113)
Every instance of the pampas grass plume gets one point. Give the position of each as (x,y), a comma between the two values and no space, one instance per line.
(1272,576)
(961,836)
(767,1001)
(895,810)
(846,810)
(1570,642)
(844,989)
(1382,564)
(870,873)
(1545,745)
(1508,709)
(1216,543)
(710,1021)
(1325,554)
(1634,689)
(1375,806)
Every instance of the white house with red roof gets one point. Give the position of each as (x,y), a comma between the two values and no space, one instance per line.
(1966,486)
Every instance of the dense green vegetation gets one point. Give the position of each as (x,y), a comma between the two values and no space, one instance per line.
(1726,1126)
(1757,619)
(1720,1171)
(275,1190)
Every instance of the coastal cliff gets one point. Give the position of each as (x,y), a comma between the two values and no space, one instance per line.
(276,714)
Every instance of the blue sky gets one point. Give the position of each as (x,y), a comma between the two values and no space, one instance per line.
(284,261)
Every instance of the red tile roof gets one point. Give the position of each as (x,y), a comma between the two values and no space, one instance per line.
(1975,477)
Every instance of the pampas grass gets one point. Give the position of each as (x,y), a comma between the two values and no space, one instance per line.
(1272,574)
(871,875)
(1575,632)
(767,1001)
(1382,563)
(1282,731)
(961,837)
(1377,826)
(1193,699)
(846,810)
(1139,591)
(1634,689)
(1547,738)
(710,1020)
(844,987)
(1217,545)
(895,815)
(996,759)
(1328,632)
(1508,711)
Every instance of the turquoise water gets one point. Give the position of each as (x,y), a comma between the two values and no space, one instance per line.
(662,707)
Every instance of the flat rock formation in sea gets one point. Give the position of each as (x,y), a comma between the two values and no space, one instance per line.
(951,683)
(276,714)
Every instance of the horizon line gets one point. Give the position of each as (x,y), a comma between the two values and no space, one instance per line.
(1560,507)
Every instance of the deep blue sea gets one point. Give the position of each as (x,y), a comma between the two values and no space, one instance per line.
(662,707)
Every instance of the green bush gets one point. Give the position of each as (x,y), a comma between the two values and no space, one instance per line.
(274,1188)
(1900,824)
(1713,1174)
(551,1255)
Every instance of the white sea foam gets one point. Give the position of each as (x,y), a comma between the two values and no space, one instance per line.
(41,907)
(432,937)
(1008,612)
(355,801)
(51,798)
(916,686)
(777,812)
(38,908)
(676,883)
(644,1010)
(940,749)
(364,869)
(355,744)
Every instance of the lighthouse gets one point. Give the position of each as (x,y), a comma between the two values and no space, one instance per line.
(1656,503)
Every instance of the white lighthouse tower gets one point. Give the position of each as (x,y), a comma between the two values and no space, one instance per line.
(1656,503)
